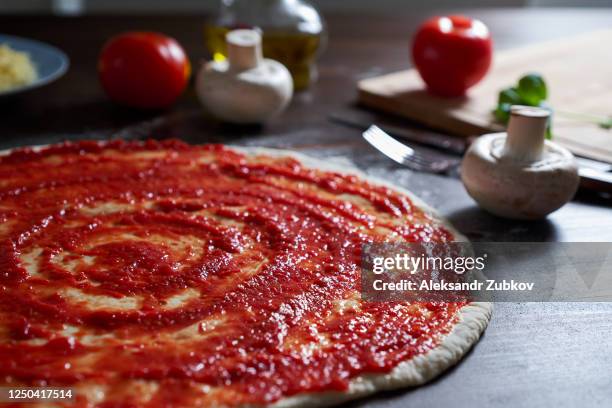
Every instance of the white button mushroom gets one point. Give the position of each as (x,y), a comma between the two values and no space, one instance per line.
(519,174)
(246,88)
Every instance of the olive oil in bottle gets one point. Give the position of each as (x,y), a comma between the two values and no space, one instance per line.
(293,33)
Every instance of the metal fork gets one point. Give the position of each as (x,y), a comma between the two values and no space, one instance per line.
(406,155)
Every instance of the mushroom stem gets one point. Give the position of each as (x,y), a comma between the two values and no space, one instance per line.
(244,49)
(526,133)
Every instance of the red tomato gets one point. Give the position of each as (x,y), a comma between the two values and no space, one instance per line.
(452,54)
(143,69)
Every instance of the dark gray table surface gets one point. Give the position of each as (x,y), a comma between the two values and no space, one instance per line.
(533,354)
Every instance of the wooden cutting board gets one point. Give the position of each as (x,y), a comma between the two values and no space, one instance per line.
(578,71)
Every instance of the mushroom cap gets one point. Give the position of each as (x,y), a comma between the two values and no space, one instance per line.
(518,189)
(244,96)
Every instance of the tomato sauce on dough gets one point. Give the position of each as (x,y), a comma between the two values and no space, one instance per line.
(162,274)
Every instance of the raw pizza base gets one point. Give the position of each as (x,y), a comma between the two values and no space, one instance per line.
(472,320)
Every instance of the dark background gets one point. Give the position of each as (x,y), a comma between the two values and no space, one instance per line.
(188,6)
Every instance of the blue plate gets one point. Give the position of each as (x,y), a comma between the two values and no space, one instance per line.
(50,62)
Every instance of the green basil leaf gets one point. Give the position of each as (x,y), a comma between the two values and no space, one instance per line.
(510,96)
(549,134)
(606,124)
(532,89)
(502,112)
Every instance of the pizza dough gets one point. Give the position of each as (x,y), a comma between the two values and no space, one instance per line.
(161,273)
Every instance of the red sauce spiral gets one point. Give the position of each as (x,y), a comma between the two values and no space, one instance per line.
(168,274)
